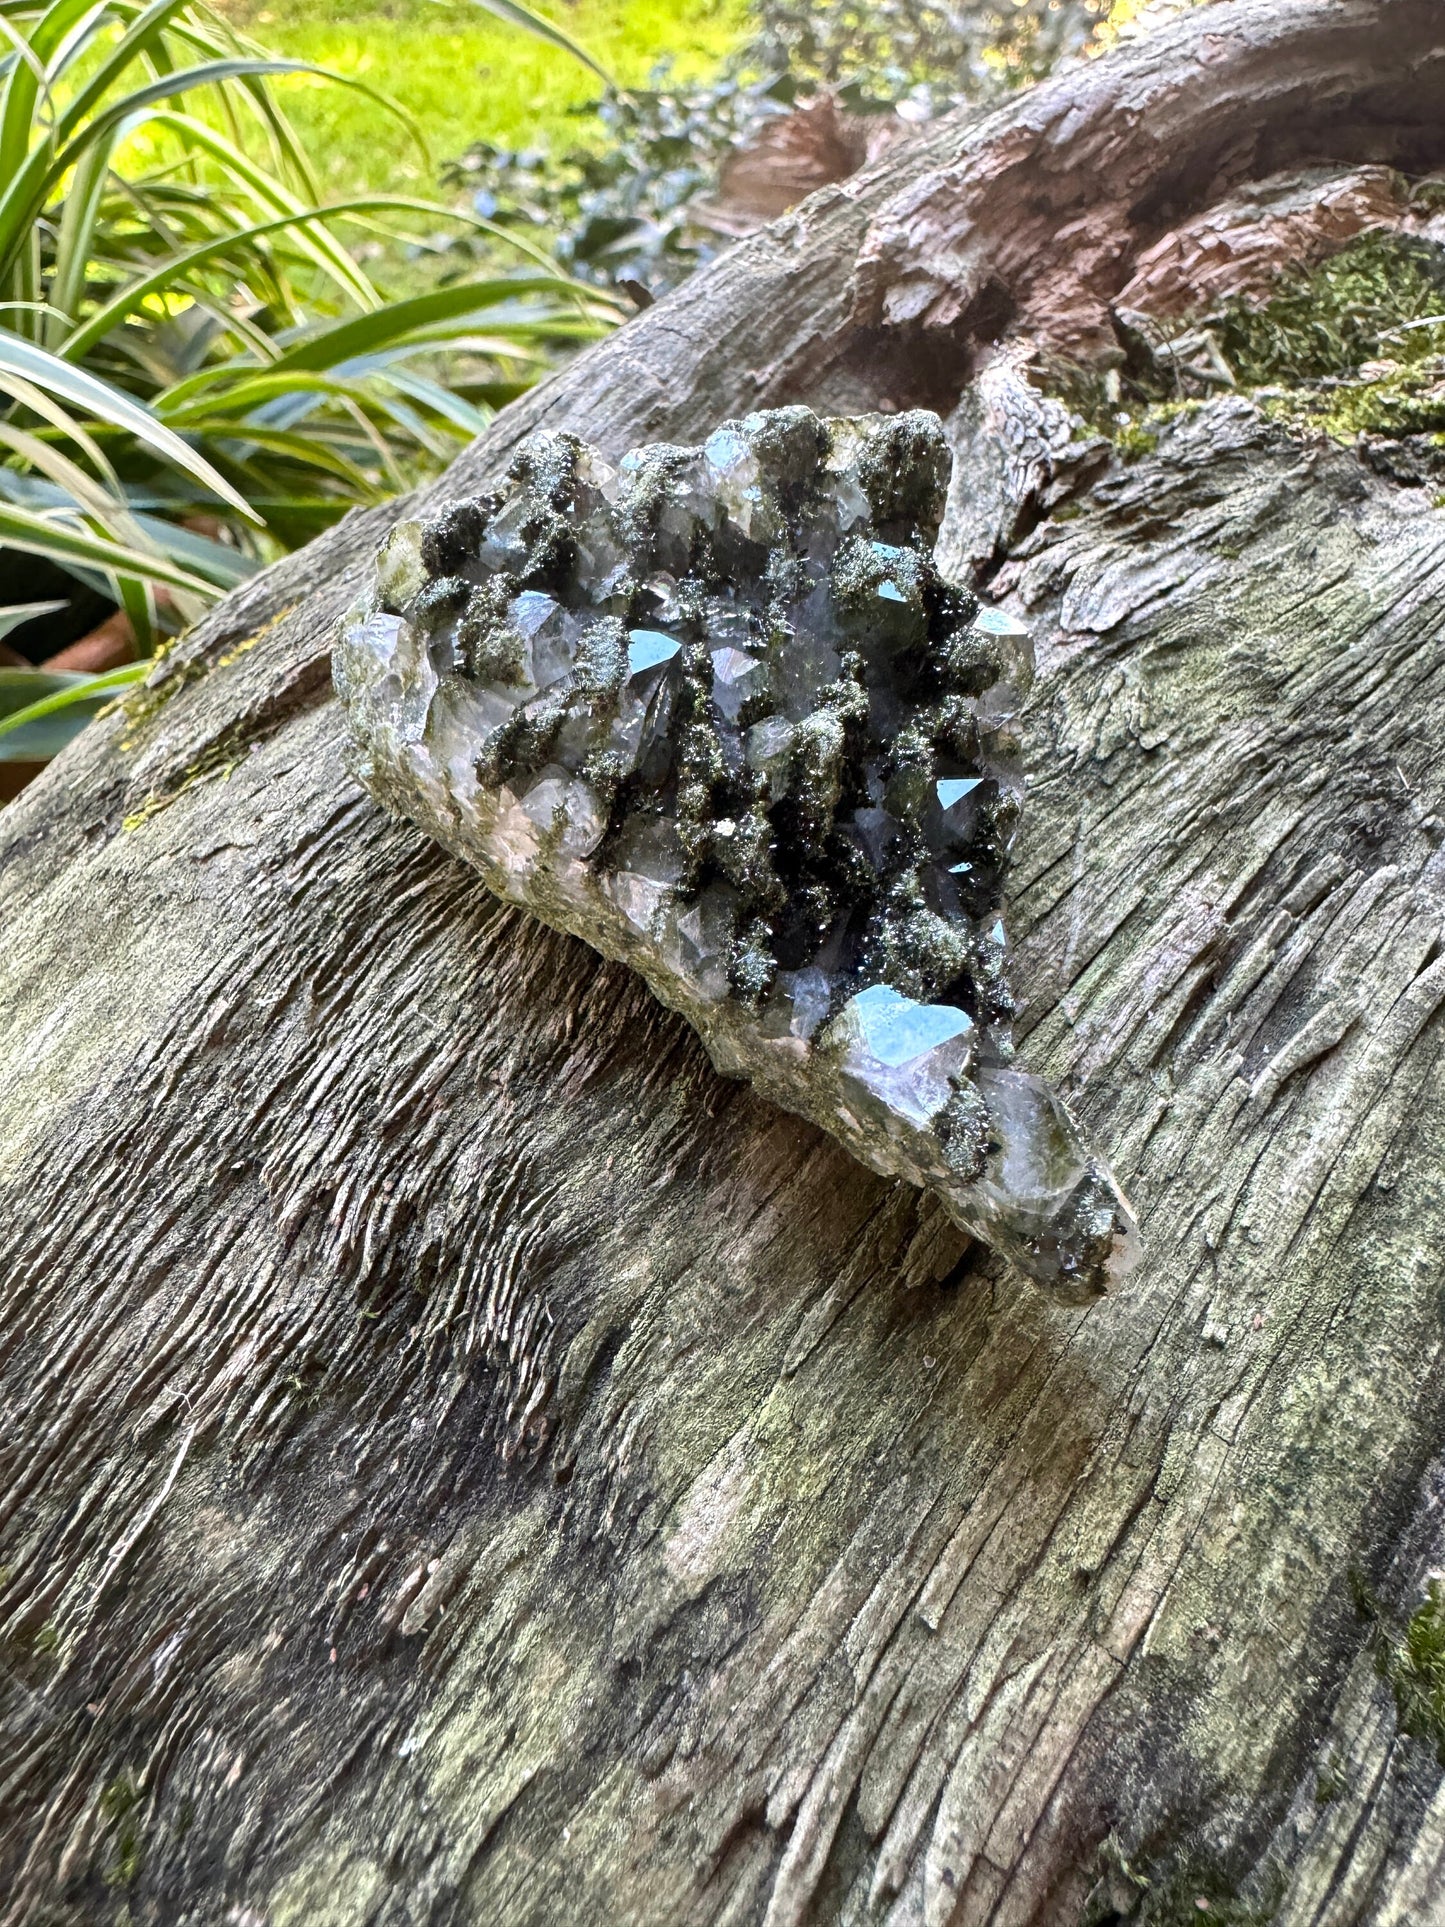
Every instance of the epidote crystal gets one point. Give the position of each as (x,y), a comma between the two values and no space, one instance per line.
(716,711)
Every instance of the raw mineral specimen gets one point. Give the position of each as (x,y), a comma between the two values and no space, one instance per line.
(716,711)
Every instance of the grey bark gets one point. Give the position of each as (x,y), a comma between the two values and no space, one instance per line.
(463,1461)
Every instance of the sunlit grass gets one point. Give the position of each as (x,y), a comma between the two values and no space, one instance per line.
(464,75)
(196,373)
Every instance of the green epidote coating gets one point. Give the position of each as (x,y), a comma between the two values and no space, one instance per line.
(716,710)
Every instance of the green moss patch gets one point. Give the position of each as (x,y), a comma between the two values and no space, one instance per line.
(1353,348)
(1410,1659)
(120,1809)
(1413,1665)
(1390,398)
(1361,304)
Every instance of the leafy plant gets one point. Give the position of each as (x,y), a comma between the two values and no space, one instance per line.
(41,709)
(195,372)
(624,215)
(517,15)
(625,211)
(878,53)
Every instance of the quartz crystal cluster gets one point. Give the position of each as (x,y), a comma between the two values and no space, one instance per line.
(715,710)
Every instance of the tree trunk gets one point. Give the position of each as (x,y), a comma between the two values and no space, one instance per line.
(465,1462)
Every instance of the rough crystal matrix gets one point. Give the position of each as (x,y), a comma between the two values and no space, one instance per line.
(716,711)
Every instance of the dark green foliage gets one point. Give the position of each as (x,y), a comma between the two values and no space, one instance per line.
(195,372)
(874,53)
(624,213)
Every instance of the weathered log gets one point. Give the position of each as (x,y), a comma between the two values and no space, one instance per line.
(464,1461)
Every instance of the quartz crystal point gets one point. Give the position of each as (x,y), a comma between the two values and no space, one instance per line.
(715,711)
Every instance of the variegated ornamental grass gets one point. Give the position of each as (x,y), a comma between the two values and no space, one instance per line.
(196,373)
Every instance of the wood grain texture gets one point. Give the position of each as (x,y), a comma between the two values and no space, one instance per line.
(462,1461)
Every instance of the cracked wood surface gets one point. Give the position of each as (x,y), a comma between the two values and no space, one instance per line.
(464,1462)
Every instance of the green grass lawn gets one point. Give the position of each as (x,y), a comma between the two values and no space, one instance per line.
(464,74)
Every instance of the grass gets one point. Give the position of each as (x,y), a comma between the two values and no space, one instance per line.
(464,75)
(195,373)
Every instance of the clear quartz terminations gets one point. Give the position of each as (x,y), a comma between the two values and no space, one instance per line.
(715,711)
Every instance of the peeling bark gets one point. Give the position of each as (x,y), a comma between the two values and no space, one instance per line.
(463,1461)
